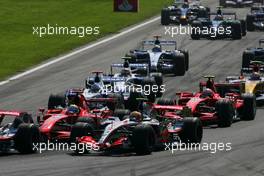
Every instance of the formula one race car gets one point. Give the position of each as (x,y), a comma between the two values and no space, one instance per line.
(253,54)
(56,123)
(219,103)
(236,3)
(183,13)
(251,80)
(219,25)
(17,131)
(160,60)
(255,19)
(141,133)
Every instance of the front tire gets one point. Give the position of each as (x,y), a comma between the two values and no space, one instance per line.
(143,139)
(26,136)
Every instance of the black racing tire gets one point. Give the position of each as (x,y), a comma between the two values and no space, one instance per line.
(222,3)
(249,107)
(165,16)
(132,103)
(159,82)
(196,30)
(143,139)
(225,112)
(166,101)
(186,55)
(203,13)
(81,129)
(121,113)
(250,22)
(192,131)
(26,137)
(56,101)
(243,27)
(87,120)
(236,31)
(179,64)
(247,58)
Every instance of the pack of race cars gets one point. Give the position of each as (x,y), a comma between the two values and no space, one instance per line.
(124,110)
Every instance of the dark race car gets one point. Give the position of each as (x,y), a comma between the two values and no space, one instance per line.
(219,25)
(255,19)
(141,133)
(219,103)
(183,13)
(253,54)
(17,131)
(161,60)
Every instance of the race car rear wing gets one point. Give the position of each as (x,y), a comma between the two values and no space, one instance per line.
(132,66)
(250,70)
(92,100)
(10,113)
(158,42)
(224,14)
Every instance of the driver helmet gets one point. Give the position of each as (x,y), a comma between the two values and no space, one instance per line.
(185,5)
(255,76)
(136,116)
(95,88)
(207,93)
(218,17)
(125,72)
(156,48)
(73,109)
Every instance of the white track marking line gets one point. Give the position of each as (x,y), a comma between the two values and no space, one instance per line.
(77,51)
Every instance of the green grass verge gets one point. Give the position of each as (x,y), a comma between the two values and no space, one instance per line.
(20,49)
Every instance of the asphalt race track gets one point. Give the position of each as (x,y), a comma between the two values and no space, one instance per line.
(217,57)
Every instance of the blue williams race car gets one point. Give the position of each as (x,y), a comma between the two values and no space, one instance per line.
(255,19)
(219,25)
(183,13)
(166,61)
(253,54)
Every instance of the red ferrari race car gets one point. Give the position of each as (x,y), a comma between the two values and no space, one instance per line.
(55,124)
(139,132)
(219,103)
(17,132)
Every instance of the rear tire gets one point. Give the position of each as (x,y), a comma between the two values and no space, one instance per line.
(236,31)
(165,16)
(179,65)
(247,58)
(186,55)
(250,21)
(196,30)
(57,100)
(243,27)
(249,107)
